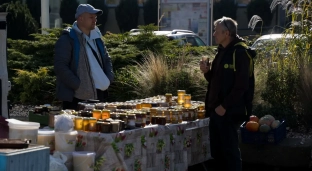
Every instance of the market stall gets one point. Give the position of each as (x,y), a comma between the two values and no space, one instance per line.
(164,132)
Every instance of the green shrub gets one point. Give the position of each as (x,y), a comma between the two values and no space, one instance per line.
(20,23)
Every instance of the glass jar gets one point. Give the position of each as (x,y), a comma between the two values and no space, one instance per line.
(81,106)
(138,120)
(143,115)
(92,124)
(85,123)
(111,108)
(115,126)
(86,113)
(168,97)
(160,112)
(185,114)
(187,101)
(192,116)
(114,116)
(100,106)
(89,107)
(175,117)
(105,127)
(97,114)
(78,123)
(201,114)
(161,120)
(146,105)
(131,120)
(154,120)
(124,118)
(98,126)
(201,106)
(105,114)
(167,114)
(138,106)
(181,94)
(180,114)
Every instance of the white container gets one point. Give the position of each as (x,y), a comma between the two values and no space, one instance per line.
(65,141)
(69,162)
(46,137)
(23,130)
(83,160)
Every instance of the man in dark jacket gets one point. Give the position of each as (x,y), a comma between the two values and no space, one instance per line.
(230,93)
(82,65)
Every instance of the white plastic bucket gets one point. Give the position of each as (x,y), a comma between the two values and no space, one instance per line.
(83,160)
(23,130)
(65,141)
(46,137)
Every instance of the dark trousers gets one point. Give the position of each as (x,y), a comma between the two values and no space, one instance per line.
(102,96)
(224,143)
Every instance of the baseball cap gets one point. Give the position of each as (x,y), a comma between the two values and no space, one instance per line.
(82,8)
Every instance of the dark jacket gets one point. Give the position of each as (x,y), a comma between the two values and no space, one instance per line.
(231,80)
(73,75)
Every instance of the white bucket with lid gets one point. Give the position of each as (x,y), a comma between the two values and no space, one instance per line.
(46,137)
(23,130)
(83,160)
(65,141)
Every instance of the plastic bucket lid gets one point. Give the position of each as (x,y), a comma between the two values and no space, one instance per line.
(67,133)
(83,153)
(13,123)
(47,132)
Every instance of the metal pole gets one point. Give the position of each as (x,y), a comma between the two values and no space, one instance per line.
(211,21)
(45,18)
(4,81)
(158,8)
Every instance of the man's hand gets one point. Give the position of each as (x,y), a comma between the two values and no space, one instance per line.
(204,65)
(220,110)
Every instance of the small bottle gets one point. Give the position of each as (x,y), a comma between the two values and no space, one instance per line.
(180,99)
(97,114)
(187,101)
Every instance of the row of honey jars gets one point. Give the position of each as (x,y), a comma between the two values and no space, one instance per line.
(92,125)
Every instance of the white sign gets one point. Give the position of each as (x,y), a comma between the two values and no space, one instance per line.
(187,15)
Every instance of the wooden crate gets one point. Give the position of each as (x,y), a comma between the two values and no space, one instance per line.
(34,158)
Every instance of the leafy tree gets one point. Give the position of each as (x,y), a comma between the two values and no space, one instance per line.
(68,11)
(150,8)
(35,9)
(127,14)
(262,9)
(101,20)
(226,8)
(20,22)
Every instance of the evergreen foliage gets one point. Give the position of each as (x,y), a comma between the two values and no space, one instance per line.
(150,8)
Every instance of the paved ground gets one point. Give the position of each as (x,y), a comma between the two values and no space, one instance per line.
(209,166)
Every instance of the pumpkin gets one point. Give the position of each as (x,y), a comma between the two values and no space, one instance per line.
(264,128)
(275,124)
(252,126)
(267,120)
(270,117)
(254,118)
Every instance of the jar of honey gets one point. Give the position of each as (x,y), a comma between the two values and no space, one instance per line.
(138,120)
(105,114)
(180,118)
(187,101)
(131,120)
(97,114)
(201,114)
(106,127)
(167,114)
(85,123)
(92,124)
(100,106)
(180,99)
(78,123)
(175,117)
(168,97)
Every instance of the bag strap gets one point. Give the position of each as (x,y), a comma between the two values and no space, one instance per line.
(96,55)
(249,56)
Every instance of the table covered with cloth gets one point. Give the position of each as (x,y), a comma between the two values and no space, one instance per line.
(172,147)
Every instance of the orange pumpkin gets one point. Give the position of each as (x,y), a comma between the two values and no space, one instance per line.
(254,118)
(252,126)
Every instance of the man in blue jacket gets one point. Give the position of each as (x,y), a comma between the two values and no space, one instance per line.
(82,64)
